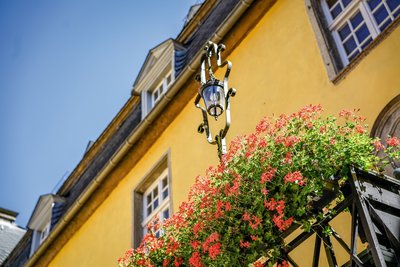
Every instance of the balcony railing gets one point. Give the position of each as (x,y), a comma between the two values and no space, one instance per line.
(374,205)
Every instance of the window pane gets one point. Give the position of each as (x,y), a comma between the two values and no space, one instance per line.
(354,55)
(155,192)
(373,4)
(166,214)
(331,2)
(165,193)
(155,203)
(346,2)
(344,32)
(380,15)
(161,89)
(356,20)
(350,45)
(168,79)
(165,182)
(385,24)
(149,198)
(362,33)
(336,11)
(155,95)
(393,4)
(149,210)
(364,45)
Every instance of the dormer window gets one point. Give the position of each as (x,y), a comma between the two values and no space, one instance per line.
(168,79)
(161,88)
(44,216)
(45,232)
(157,75)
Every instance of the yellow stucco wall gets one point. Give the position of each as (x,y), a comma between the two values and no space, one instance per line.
(276,69)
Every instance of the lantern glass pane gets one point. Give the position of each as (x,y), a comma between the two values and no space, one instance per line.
(214,99)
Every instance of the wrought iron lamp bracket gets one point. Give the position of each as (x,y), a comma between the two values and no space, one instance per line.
(212,50)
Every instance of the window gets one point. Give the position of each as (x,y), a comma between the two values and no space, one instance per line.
(388,124)
(154,93)
(163,63)
(152,199)
(156,201)
(44,233)
(39,235)
(161,88)
(169,79)
(355,23)
(46,213)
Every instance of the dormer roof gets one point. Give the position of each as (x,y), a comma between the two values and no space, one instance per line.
(167,52)
(43,210)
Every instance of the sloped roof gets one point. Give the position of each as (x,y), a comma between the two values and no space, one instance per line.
(192,11)
(208,26)
(10,235)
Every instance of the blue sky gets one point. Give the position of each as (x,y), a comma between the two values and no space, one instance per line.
(66,69)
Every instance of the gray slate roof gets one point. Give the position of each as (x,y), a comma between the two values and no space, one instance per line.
(10,234)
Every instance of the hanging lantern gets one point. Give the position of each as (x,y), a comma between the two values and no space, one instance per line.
(214,97)
(215,94)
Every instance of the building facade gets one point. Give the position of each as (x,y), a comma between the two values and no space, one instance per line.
(286,54)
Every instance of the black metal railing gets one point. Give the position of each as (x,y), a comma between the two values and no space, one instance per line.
(374,205)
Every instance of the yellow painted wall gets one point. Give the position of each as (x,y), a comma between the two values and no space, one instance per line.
(276,69)
(280,61)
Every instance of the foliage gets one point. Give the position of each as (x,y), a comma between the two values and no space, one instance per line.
(236,213)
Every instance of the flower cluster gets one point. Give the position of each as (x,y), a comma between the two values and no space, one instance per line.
(236,213)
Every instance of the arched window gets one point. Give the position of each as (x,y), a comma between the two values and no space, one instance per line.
(388,124)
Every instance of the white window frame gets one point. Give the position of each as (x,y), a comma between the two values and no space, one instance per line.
(153,95)
(348,12)
(44,233)
(40,221)
(161,88)
(39,236)
(163,201)
(153,178)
